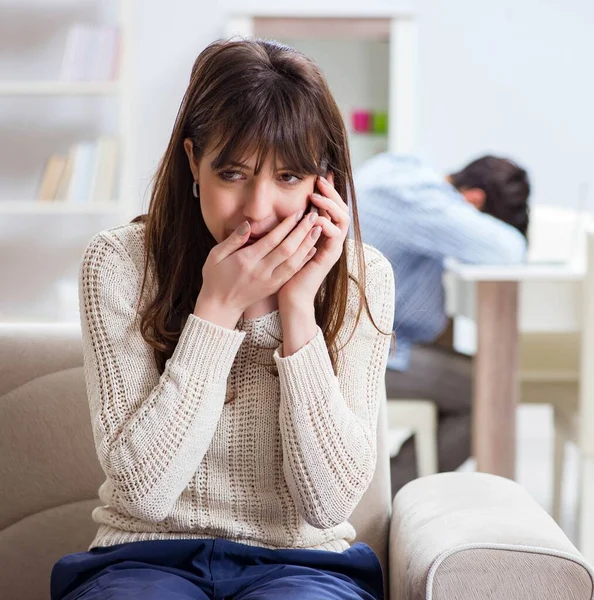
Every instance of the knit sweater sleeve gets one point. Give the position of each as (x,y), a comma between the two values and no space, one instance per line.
(151,431)
(328,422)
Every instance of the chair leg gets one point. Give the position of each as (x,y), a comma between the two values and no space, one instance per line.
(426,445)
(561,438)
(585,512)
(421,417)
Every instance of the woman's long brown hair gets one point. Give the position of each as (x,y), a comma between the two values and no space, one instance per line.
(245,96)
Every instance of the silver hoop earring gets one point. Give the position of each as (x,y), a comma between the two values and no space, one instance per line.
(195,189)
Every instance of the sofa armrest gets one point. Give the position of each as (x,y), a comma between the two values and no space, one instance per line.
(462,536)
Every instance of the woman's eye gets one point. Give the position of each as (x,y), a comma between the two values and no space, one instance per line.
(289,178)
(230,175)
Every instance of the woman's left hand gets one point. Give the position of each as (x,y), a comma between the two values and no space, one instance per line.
(334,219)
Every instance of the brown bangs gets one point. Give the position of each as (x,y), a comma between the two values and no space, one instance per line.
(271,122)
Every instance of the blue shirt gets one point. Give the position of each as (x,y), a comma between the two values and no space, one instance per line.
(416,219)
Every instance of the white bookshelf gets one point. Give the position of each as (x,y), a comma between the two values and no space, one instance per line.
(41,242)
(119,90)
(32,207)
(376,48)
(59,88)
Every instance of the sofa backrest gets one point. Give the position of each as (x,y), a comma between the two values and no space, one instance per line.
(49,473)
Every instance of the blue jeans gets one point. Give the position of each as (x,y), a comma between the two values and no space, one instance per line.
(216,570)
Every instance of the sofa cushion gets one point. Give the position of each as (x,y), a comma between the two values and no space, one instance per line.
(30,548)
(31,350)
(47,454)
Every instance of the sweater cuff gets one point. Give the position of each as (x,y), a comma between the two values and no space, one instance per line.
(307,374)
(208,347)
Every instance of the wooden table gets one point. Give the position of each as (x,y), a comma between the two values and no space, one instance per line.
(503,300)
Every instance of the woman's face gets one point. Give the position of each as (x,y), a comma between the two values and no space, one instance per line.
(234,194)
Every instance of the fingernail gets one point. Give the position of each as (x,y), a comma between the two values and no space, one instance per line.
(324,180)
(315,234)
(318,196)
(298,216)
(312,217)
(243,228)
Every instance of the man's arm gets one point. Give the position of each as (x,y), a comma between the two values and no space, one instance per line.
(440,226)
(424,215)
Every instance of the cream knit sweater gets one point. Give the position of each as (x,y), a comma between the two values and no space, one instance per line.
(281,466)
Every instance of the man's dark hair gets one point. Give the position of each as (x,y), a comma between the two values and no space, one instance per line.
(506,187)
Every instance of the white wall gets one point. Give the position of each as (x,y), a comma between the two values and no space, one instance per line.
(501,76)
(514,78)
(168,38)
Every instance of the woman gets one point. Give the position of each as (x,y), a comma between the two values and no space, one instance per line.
(233,362)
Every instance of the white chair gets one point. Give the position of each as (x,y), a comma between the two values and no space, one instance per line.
(418,418)
(550,374)
(551,363)
(556,349)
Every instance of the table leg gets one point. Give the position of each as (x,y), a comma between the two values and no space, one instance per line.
(496,378)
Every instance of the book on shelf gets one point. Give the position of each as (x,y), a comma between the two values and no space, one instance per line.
(104,173)
(84,157)
(52,175)
(91,53)
(86,175)
(62,192)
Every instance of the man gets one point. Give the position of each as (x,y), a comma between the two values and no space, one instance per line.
(417,218)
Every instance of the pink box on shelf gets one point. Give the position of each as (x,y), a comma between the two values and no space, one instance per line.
(361,120)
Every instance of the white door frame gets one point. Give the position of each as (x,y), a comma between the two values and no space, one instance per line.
(402,102)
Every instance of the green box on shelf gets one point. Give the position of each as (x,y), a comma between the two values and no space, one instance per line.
(379,121)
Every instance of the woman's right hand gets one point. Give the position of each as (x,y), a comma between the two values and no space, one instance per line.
(234,278)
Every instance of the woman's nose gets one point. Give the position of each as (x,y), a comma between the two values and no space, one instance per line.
(258,202)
